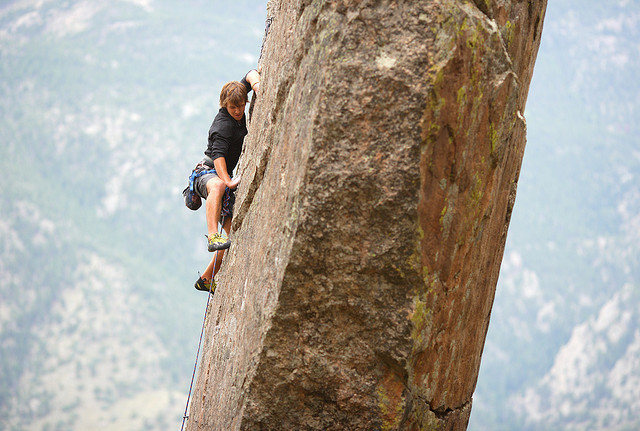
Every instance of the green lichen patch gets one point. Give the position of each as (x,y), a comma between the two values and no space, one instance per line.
(508,32)
(423,419)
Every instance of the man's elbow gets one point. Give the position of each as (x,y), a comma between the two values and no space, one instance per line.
(253,77)
(216,156)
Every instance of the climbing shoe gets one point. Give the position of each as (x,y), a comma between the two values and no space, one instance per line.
(218,242)
(205,285)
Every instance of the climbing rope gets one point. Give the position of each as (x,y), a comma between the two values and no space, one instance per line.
(185,416)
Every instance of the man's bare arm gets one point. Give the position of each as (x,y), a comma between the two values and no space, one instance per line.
(220,164)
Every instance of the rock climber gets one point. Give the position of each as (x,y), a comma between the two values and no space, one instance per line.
(213,180)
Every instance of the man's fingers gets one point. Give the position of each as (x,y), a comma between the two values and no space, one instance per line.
(234,183)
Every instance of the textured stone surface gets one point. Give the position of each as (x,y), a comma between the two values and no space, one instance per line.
(377,185)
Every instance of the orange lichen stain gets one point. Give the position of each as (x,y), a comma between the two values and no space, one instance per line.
(391,401)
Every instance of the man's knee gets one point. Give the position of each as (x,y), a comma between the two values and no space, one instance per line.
(215,186)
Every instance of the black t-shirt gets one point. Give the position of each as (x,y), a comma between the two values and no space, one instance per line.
(226,136)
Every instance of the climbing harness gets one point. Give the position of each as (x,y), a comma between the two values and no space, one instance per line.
(185,416)
(191,199)
(197,174)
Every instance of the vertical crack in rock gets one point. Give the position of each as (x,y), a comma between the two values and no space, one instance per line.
(379,177)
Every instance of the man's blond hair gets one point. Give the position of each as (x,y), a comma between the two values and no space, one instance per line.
(233,92)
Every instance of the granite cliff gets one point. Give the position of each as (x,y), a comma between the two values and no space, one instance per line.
(378,180)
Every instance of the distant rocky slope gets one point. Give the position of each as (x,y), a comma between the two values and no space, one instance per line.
(377,187)
(562,346)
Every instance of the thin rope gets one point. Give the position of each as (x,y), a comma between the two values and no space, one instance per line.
(206,311)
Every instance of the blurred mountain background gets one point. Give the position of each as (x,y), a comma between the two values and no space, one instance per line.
(105,108)
(563,348)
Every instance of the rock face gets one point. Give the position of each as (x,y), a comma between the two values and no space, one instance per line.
(377,185)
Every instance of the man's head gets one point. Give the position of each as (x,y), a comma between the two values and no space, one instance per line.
(233,97)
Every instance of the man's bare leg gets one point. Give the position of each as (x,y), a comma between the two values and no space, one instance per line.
(213,204)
